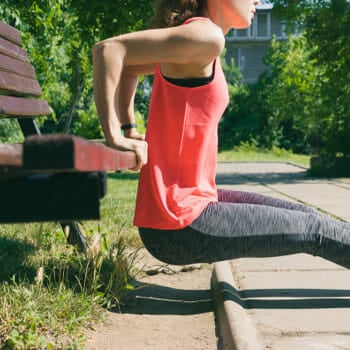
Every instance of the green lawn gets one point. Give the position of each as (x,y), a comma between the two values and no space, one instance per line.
(49,291)
(250,153)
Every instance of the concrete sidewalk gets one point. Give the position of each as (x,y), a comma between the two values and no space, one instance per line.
(295,302)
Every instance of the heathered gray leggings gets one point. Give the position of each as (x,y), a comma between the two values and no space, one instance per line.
(243,224)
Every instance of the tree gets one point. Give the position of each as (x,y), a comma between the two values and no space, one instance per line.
(327,26)
(239,122)
(59,35)
(291,94)
(328,30)
(281,108)
(110,17)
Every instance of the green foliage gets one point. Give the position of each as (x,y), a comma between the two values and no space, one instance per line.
(59,35)
(282,108)
(328,31)
(237,124)
(291,93)
(10,131)
(110,17)
(297,11)
(87,124)
(327,26)
(142,100)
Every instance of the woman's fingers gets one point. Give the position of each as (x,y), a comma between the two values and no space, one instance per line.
(141,151)
(140,147)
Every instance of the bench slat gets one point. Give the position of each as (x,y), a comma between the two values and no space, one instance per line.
(9,64)
(14,84)
(10,155)
(52,197)
(10,49)
(10,160)
(23,107)
(10,33)
(62,152)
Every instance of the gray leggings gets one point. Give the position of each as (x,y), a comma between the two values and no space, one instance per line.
(243,224)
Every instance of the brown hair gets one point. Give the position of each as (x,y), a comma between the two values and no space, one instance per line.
(170,13)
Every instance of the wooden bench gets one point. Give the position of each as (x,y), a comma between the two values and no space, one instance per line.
(52,177)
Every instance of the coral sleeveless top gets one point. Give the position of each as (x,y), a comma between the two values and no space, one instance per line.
(178,181)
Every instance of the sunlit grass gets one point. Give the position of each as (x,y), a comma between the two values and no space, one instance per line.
(246,152)
(49,291)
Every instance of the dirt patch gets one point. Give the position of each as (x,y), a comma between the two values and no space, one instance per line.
(172,309)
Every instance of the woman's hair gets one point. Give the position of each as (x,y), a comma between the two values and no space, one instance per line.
(170,13)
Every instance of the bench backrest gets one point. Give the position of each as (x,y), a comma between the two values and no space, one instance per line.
(17,78)
(20,98)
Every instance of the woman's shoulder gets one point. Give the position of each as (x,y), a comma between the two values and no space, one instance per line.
(198,41)
(202,29)
(203,21)
(197,18)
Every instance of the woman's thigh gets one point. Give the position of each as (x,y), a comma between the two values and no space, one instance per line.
(231,196)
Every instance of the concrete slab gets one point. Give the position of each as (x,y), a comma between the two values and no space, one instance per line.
(297,301)
(295,262)
(287,181)
(329,197)
(308,342)
(289,303)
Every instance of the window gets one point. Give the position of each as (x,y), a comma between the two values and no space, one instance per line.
(244,33)
(241,33)
(262,24)
(260,29)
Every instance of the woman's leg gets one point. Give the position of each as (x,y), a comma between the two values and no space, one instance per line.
(231,196)
(233,230)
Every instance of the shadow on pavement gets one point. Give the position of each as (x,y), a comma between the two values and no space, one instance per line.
(287,298)
(159,300)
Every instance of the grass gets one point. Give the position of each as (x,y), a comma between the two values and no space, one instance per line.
(49,292)
(246,152)
(118,207)
(34,317)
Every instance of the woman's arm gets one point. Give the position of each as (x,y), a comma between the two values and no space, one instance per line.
(118,62)
(114,98)
(125,103)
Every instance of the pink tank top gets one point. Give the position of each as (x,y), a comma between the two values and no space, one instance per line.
(179,179)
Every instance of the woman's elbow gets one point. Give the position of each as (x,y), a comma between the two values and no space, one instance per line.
(99,50)
(106,49)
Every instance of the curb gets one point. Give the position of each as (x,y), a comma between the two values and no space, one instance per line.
(236,330)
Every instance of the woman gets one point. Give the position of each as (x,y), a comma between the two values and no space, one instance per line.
(182,217)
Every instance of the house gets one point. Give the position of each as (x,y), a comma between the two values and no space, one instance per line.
(248,46)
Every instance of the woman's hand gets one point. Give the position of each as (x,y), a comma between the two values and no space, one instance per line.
(133,134)
(140,147)
(141,150)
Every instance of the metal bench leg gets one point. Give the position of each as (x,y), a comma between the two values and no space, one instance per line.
(28,126)
(71,229)
(74,235)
